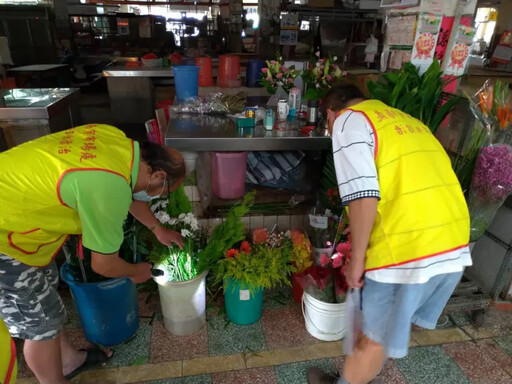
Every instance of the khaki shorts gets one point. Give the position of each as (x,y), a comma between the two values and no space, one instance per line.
(29,303)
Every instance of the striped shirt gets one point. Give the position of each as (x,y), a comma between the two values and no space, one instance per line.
(354,148)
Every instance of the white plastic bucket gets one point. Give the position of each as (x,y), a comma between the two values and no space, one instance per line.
(325,321)
(190,160)
(183,304)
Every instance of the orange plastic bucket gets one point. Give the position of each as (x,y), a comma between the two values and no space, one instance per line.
(205,71)
(229,70)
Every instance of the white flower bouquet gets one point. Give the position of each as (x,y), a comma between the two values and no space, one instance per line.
(178,264)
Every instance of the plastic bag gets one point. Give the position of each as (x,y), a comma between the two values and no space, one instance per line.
(280,94)
(354,316)
(202,105)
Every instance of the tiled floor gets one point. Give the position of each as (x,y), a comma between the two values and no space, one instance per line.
(278,350)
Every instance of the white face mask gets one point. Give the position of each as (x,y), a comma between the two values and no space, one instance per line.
(143,195)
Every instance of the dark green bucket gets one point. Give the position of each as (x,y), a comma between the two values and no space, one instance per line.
(243,306)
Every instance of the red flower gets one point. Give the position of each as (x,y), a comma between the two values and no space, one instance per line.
(297,237)
(324,260)
(232,253)
(337,260)
(245,247)
(259,236)
(343,248)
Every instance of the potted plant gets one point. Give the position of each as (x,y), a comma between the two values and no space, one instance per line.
(321,75)
(182,284)
(324,296)
(247,270)
(302,256)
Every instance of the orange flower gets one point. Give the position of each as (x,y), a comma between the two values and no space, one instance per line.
(232,253)
(259,236)
(296,236)
(245,247)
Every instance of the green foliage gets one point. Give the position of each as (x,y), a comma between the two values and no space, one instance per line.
(179,202)
(262,267)
(414,94)
(225,235)
(328,193)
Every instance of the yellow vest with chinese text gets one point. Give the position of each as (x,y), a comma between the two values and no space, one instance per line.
(8,364)
(34,221)
(422,211)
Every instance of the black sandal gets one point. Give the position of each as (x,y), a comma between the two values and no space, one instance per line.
(94,357)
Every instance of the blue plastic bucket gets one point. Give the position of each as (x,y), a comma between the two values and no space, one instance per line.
(108,310)
(243,307)
(253,76)
(186,78)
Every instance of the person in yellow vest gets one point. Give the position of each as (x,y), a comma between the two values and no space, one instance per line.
(8,364)
(82,181)
(409,226)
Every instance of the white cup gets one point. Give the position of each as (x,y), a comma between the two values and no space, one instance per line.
(282,110)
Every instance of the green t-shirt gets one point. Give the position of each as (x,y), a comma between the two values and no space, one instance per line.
(102,200)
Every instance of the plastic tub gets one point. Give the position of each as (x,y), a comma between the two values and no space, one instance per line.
(183,304)
(228,174)
(325,321)
(205,71)
(252,79)
(243,307)
(186,81)
(229,71)
(108,310)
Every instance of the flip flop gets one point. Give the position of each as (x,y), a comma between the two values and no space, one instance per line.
(94,357)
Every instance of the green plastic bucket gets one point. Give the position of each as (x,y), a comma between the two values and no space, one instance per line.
(243,307)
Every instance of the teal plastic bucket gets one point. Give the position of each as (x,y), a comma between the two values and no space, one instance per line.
(108,310)
(243,306)
(186,79)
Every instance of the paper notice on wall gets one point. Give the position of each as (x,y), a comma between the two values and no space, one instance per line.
(123,26)
(395,61)
(458,51)
(145,27)
(289,37)
(425,42)
(444,37)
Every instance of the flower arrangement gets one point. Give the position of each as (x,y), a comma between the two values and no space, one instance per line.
(326,282)
(321,75)
(264,264)
(490,186)
(301,251)
(276,75)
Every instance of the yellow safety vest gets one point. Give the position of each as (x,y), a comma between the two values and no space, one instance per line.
(422,211)
(34,221)
(8,364)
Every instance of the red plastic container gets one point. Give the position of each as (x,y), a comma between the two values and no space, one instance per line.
(229,71)
(228,174)
(205,71)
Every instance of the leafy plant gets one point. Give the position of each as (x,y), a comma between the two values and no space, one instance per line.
(277,75)
(225,235)
(415,94)
(179,202)
(320,76)
(328,193)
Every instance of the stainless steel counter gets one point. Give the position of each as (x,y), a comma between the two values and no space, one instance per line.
(122,71)
(214,133)
(36,103)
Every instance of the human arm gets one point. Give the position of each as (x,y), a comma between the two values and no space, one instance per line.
(113,266)
(142,212)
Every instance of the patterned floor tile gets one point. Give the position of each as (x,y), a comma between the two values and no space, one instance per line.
(491,361)
(280,297)
(203,379)
(505,343)
(246,376)
(461,319)
(445,322)
(167,347)
(77,338)
(486,332)
(72,319)
(430,365)
(147,303)
(135,351)
(226,338)
(285,328)
(296,373)
(390,373)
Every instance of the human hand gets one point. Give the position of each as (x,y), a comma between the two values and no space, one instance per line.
(168,237)
(142,272)
(346,231)
(355,272)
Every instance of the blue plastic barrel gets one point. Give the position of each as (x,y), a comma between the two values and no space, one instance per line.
(253,75)
(108,310)
(186,78)
(244,306)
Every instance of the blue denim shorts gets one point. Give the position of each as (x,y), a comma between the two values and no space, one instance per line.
(390,309)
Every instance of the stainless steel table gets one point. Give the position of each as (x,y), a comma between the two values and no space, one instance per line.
(33,112)
(46,75)
(213,133)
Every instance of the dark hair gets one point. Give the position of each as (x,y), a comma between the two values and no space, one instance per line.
(338,97)
(159,158)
